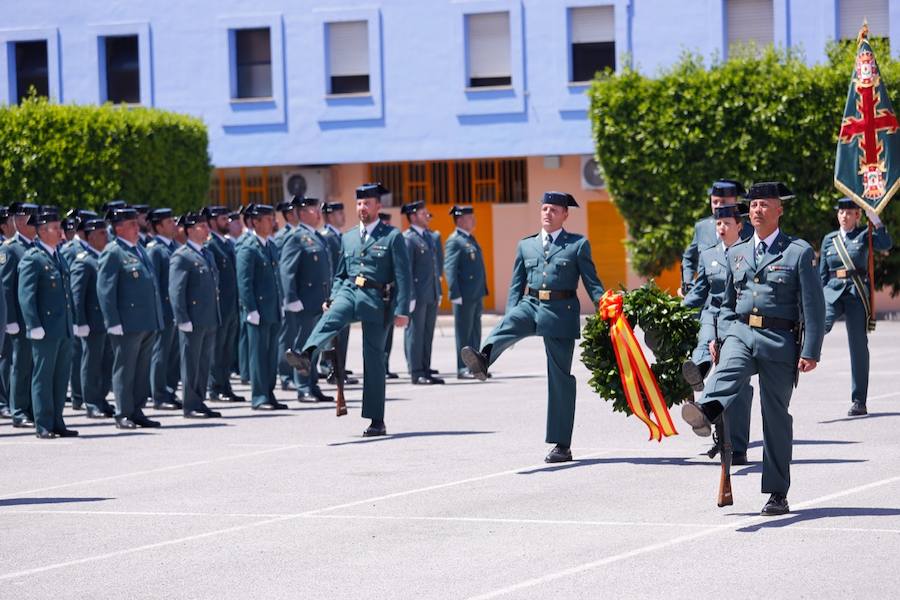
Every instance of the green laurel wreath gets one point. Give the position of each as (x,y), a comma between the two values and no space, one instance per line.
(670,330)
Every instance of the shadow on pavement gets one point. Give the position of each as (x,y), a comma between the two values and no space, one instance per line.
(411,434)
(756,467)
(862,418)
(31,501)
(97,436)
(813,514)
(674,461)
(759,443)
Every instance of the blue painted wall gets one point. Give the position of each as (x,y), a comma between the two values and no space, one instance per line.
(419,107)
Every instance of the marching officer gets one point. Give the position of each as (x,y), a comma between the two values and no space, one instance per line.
(224,354)
(193,289)
(11,253)
(707,293)
(306,275)
(335,219)
(46,301)
(260,293)
(772,294)
(371,285)
(5,340)
(385,218)
(96,350)
(467,283)
(543,301)
(164,365)
(131,303)
(843,268)
(723,192)
(425,293)
(288,331)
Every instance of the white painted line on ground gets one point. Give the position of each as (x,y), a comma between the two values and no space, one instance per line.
(44,444)
(528,583)
(881,396)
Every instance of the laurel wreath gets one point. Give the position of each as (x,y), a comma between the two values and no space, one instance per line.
(670,331)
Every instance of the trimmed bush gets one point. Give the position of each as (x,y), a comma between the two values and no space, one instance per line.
(760,116)
(82,156)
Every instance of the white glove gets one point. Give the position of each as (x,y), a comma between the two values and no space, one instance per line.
(117,330)
(82,330)
(455,300)
(876,222)
(12,328)
(37,333)
(186,327)
(295,306)
(412,305)
(253,317)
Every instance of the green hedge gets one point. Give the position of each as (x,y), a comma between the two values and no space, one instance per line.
(760,116)
(83,156)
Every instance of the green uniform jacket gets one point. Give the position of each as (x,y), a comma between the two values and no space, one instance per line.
(11,252)
(128,290)
(784,285)
(333,239)
(84,291)
(226,265)
(704,237)
(194,288)
(708,290)
(44,293)
(160,253)
(383,258)
(568,260)
(464,268)
(857,244)
(423,261)
(259,288)
(306,269)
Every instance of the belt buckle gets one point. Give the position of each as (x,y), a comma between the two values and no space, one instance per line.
(543,294)
(360,281)
(841,273)
(756,321)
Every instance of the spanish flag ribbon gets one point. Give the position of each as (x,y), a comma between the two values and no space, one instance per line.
(634,370)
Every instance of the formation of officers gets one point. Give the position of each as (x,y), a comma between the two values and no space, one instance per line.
(767,302)
(142,303)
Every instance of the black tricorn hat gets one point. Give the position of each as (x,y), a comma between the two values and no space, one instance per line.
(120,215)
(559,199)
(142,209)
(727,188)
(91,224)
(211,212)
(43,217)
(412,207)
(189,219)
(732,210)
(285,206)
(845,203)
(769,189)
(371,190)
(24,209)
(330,207)
(258,210)
(157,215)
(113,204)
(303,201)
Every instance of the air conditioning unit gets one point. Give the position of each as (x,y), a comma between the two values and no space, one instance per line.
(311,182)
(591,175)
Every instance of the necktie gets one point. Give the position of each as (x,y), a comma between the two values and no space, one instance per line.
(364,234)
(547,241)
(760,250)
(206,256)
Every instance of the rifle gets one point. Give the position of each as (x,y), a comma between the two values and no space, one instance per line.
(337,368)
(723,444)
(715,449)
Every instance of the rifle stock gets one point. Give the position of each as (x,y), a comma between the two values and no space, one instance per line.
(339,375)
(723,441)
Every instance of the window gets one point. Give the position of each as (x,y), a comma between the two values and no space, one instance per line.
(31,69)
(348,57)
(253,63)
(487,37)
(750,20)
(123,72)
(593,41)
(852,12)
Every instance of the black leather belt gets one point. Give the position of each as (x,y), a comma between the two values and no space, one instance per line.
(365,282)
(762,322)
(551,294)
(847,273)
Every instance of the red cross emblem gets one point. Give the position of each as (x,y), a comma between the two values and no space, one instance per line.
(866,126)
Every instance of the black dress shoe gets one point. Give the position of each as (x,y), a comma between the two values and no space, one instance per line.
(692,375)
(167,405)
(287,385)
(5,412)
(46,435)
(78,406)
(145,422)
(96,413)
(316,396)
(375,429)
(739,459)
(66,433)
(696,418)
(559,454)
(423,380)
(332,380)
(299,361)
(125,423)
(202,414)
(777,505)
(391,375)
(857,409)
(23,423)
(265,406)
(475,361)
(232,397)
(465,375)
(279,405)
(433,371)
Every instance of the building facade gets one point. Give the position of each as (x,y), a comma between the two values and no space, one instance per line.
(479,101)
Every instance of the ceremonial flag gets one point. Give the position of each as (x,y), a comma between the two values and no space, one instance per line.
(867,167)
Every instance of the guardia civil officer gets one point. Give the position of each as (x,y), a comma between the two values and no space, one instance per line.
(68,225)
(371,285)
(5,340)
(46,302)
(224,355)
(144,223)
(335,221)
(164,364)
(193,289)
(96,349)
(243,344)
(289,325)
(11,252)
(432,318)
(425,293)
(772,290)
(131,303)
(843,269)
(259,290)
(707,293)
(385,218)
(466,282)
(306,275)
(543,301)
(724,192)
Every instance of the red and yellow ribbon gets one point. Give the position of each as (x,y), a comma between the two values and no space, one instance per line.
(634,370)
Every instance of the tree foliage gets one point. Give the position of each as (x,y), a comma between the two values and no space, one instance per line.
(760,116)
(82,156)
